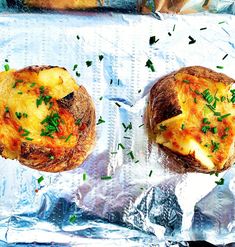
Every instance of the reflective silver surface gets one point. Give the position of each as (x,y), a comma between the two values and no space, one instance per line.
(168,205)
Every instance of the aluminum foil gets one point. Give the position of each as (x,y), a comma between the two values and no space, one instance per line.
(143,6)
(144,203)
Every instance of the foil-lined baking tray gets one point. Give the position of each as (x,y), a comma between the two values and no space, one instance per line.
(141,202)
(140,6)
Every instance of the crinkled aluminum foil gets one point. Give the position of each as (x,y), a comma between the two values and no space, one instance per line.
(133,208)
(143,6)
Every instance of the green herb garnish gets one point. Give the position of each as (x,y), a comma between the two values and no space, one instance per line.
(150,173)
(32,84)
(40,179)
(78,74)
(214,130)
(78,121)
(220,182)
(224,56)
(121,146)
(74,67)
(141,125)
(6,67)
(84,176)
(192,40)
(163,127)
(117,104)
(72,219)
(205,121)
(150,65)
(51,123)
(219,67)
(29,139)
(18,115)
(6,109)
(183,126)
(207,96)
(186,81)
(106,177)
(88,63)
(152,40)
(222,98)
(223,116)
(100,121)
(101,57)
(205,129)
(215,146)
(69,136)
(131,155)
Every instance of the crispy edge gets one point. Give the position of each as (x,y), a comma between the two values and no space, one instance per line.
(38,157)
(156,113)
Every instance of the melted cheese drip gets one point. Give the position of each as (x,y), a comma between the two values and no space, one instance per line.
(184,134)
(58,84)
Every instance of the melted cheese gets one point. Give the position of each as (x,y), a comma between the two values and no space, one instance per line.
(183,134)
(19,95)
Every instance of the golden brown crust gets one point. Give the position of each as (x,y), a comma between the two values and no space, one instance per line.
(163,104)
(80,105)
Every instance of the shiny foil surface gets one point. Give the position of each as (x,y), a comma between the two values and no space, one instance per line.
(143,203)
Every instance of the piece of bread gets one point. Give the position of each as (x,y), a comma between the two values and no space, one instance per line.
(187,123)
(47,121)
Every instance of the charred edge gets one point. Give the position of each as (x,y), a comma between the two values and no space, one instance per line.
(67,101)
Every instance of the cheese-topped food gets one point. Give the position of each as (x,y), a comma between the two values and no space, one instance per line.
(47,121)
(191,113)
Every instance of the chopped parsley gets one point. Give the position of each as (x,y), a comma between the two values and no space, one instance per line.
(88,63)
(40,179)
(100,121)
(150,65)
(51,123)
